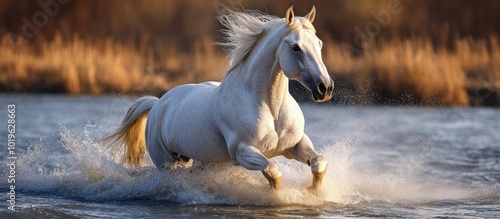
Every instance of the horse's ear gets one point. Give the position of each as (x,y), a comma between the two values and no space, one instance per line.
(311,15)
(289,15)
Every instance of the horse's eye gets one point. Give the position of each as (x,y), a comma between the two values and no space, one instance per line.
(296,48)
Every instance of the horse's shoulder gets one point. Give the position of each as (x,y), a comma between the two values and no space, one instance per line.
(291,115)
(290,107)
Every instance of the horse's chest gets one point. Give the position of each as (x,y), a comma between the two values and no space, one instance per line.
(288,134)
(280,138)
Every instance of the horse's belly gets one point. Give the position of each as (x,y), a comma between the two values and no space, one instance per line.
(205,144)
(187,127)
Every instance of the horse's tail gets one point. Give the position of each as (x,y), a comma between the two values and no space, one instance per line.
(129,138)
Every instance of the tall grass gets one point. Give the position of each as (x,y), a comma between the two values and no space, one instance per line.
(416,72)
(432,53)
(78,66)
(397,71)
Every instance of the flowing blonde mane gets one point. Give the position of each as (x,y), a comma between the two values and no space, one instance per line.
(244,29)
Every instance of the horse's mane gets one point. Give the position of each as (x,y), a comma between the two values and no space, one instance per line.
(245,28)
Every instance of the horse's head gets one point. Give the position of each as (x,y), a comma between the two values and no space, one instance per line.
(299,56)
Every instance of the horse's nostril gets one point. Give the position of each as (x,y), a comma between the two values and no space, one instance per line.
(330,88)
(322,88)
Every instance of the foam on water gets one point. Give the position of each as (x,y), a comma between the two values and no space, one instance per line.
(87,172)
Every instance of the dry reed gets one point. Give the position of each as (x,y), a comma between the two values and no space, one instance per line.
(415,72)
(102,67)
(397,72)
(432,53)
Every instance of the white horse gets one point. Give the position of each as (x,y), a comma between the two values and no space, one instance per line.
(250,116)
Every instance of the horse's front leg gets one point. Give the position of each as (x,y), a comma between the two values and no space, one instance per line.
(305,153)
(252,159)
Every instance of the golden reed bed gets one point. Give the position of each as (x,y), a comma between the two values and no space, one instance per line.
(425,53)
(397,72)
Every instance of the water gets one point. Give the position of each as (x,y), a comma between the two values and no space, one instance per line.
(383,162)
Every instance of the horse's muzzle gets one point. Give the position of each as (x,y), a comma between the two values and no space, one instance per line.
(323,91)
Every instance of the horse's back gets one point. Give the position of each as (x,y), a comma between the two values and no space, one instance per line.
(182,122)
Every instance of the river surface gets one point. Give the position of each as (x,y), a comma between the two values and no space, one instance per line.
(383,162)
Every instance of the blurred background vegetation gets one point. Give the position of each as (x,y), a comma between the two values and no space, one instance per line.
(424,52)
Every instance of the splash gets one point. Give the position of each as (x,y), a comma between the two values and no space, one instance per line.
(350,182)
(79,167)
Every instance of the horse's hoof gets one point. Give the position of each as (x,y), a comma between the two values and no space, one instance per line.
(313,187)
(314,190)
(273,176)
(317,181)
(275,184)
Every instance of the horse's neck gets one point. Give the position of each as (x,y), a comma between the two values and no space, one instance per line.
(262,74)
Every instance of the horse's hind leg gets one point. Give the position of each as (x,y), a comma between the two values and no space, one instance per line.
(180,161)
(304,152)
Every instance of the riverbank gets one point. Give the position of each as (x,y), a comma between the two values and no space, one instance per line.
(409,72)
